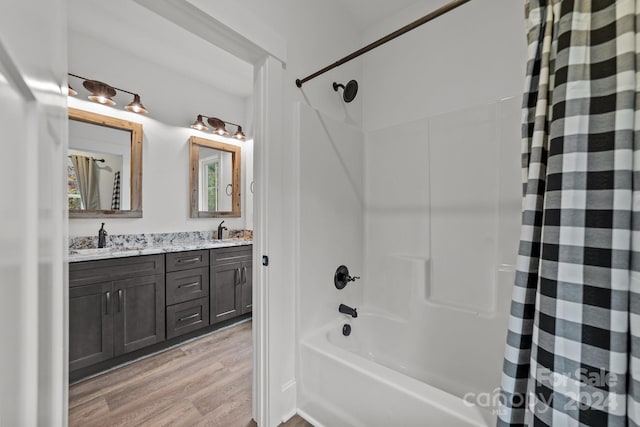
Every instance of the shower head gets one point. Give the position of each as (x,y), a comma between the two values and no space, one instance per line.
(349,92)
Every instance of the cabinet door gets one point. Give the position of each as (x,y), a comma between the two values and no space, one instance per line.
(90,324)
(139,313)
(226,292)
(247,286)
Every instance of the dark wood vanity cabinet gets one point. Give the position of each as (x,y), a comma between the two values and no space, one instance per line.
(118,306)
(115,306)
(231,281)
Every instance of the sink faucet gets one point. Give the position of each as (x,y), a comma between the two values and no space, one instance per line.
(345,309)
(220,228)
(102,236)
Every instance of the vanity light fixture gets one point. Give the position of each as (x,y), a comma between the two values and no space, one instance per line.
(199,124)
(239,134)
(218,127)
(103,93)
(136,106)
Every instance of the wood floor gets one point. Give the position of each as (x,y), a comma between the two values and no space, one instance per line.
(206,382)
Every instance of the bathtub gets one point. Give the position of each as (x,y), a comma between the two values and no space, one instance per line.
(370,378)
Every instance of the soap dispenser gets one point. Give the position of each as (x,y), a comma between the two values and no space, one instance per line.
(102,236)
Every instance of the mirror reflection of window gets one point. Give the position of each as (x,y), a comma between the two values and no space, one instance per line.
(209,171)
(215,179)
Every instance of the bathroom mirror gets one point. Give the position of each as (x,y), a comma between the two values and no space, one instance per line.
(214,178)
(104,166)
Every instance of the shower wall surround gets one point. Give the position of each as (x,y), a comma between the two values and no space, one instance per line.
(454,262)
(331,212)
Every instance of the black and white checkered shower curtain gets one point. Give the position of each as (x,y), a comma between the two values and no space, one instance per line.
(573,347)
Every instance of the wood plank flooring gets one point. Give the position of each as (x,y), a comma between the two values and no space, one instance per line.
(206,382)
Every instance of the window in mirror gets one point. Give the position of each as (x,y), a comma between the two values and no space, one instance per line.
(215,179)
(104,166)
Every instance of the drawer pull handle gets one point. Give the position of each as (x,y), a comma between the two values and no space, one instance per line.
(120,303)
(188,285)
(188,260)
(193,316)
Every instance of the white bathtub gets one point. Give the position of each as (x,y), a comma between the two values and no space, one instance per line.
(372,378)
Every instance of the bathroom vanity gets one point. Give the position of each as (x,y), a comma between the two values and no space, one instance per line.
(125,306)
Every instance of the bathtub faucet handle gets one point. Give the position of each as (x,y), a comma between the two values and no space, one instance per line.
(342,277)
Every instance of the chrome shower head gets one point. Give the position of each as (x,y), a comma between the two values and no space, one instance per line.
(349,92)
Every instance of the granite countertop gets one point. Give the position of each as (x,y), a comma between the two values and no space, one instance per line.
(92,254)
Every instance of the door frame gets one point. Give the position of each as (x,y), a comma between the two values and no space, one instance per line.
(250,41)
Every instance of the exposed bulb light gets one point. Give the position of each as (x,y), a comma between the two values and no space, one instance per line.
(71,91)
(199,124)
(136,106)
(218,126)
(239,134)
(100,92)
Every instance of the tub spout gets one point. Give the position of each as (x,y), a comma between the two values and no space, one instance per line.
(345,309)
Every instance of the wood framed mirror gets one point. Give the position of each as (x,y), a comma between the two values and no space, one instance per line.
(214,178)
(104,166)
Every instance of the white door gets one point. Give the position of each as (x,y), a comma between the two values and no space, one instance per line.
(33,218)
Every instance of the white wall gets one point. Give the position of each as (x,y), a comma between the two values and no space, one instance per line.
(442,181)
(165,182)
(316,34)
(473,55)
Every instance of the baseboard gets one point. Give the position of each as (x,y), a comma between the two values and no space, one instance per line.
(309,418)
(289,399)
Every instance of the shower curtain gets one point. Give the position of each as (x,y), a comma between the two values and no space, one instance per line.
(87,174)
(573,346)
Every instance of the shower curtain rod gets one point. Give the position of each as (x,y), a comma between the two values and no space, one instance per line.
(94,159)
(428,17)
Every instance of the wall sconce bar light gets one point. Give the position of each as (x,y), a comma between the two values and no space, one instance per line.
(218,126)
(103,93)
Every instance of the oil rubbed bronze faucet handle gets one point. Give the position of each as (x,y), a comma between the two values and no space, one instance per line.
(342,277)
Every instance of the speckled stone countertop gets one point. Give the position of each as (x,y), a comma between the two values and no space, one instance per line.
(127,245)
(77,255)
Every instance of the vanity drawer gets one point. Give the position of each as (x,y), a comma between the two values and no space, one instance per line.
(186,285)
(177,261)
(90,272)
(187,316)
(232,254)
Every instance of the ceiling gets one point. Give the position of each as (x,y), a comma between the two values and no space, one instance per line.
(126,25)
(366,13)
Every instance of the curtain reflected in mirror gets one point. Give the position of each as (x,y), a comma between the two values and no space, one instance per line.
(85,172)
(94,183)
(104,168)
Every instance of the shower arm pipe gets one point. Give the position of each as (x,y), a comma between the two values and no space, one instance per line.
(415,24)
